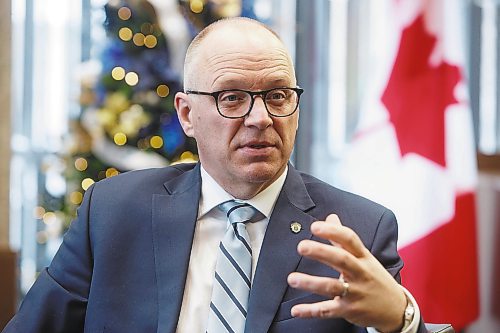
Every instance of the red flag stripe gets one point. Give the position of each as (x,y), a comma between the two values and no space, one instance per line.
(441,268)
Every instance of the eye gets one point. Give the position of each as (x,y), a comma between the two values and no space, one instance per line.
(232,97)
(276,95)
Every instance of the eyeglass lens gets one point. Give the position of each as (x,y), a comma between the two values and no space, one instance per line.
(279,102)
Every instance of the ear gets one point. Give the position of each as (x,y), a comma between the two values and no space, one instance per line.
(183,107)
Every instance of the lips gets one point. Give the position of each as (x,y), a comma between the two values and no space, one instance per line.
(257,145)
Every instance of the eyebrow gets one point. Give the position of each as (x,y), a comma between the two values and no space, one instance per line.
(244,84)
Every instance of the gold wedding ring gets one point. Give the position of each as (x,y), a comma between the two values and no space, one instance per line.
(345,286)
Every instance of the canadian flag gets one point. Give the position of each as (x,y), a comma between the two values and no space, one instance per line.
(414,152)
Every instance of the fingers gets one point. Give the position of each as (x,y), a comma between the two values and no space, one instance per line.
(325,286)
(325,309)
(331,229)
(332,256)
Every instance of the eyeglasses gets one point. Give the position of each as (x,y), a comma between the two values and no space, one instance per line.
(237,103)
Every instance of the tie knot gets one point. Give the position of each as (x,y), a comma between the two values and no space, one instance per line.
(240,212)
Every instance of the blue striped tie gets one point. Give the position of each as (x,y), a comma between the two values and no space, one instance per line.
(233,271)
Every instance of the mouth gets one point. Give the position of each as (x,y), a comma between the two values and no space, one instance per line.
(258,149)
(257,145)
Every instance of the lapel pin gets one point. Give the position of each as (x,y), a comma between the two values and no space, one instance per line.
(295,227)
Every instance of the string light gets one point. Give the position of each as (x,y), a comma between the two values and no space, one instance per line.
(111,172)
(147,28)
(38,212)
(118,73)
(125,34)
(124,13)
(162,90)
(156,142)
(139,39)
(187,155)
(150,41)
(49,218)
(120,138)
(76,198)
(196,6)
(81,164)
(132,78)
(86,183)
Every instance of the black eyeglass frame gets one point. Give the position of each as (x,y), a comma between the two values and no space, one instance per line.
(262,93)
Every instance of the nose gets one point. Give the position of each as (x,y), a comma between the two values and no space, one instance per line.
(258,116)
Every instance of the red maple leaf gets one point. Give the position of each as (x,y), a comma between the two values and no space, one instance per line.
(417,95)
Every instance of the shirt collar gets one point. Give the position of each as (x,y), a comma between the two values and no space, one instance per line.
(212,194)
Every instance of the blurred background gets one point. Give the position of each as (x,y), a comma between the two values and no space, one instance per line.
(401,104)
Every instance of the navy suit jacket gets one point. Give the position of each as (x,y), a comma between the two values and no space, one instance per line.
(123,263)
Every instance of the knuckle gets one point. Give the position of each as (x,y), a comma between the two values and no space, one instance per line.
(324,311)
(351,237)
(354,310)
(343,259)
(332,290)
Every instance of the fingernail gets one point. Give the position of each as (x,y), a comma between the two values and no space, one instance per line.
(294,312)
(316,227)
(333,218)
(292,281)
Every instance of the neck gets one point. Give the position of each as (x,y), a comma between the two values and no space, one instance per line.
(244,190)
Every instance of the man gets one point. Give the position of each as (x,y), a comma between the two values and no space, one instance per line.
(146,246)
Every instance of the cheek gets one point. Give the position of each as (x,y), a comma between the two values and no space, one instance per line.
(214,135)
(287,132)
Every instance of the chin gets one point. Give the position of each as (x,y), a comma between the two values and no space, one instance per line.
(260,173)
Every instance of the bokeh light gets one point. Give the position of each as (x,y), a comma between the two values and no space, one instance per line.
(187,155)
(111,172)
(196,6)
(49,218)
(86,183)
(120,138)
(81,164)
(163,90)
(147,28)
(150,41)
(125,34)
(132,78)
(38,212)
(139,39)
(124,13)
(118,73)
(76,197)
(156,141)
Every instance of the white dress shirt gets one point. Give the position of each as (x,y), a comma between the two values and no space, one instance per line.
(210,228)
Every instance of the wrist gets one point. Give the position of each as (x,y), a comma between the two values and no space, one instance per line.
(407,318)
(401,318)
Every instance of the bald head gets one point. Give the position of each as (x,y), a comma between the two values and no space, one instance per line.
(214,36)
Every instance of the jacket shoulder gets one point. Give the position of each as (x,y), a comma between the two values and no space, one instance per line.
(150,180)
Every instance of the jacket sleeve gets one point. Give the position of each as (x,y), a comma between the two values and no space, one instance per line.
(57,301)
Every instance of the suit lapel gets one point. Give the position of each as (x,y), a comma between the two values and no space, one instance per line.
(278,256)
(174,220)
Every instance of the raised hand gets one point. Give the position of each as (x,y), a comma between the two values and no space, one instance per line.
(365,294)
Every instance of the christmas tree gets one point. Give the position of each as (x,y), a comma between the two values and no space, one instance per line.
(128,120)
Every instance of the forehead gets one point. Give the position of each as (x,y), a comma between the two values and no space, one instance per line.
(247,55)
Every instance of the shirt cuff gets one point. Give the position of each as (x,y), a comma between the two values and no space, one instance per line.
(413,327)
